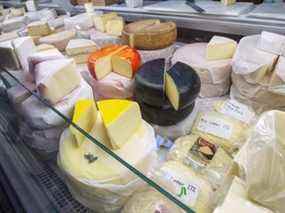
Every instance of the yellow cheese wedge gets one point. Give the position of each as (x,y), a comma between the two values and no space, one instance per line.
(115,26)
(121,119)
(101,21)
(220,48)
(172,91)
(84,116)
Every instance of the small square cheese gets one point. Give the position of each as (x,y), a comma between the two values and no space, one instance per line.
(56,79)
(220,48)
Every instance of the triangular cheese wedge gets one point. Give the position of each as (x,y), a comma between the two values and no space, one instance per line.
(221,48)
(85,115)
(121,119)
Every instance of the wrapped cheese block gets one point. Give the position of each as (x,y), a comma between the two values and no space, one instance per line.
(189,187)
(9,36)
(79,22)
(14,24)
(96,179)
(103,39)
(59,40)
(205,157)
(113,86)
(149,55)
(214,74)
(8,55)
(17,11)
(252,63)
(277,79)
(150,201)
(115,58)
(47,14)
(39,116)
(57,22)
(272,43)
(264,161)
(150,34)
(44,47)
(39,28)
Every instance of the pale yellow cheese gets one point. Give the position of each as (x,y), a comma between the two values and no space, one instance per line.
(80,46)
(171,91)
(81,59)
(220,48)
(121,118)
(115,26)
(228,2)
(122,66)
(100,22)
(84,116)
(39,28)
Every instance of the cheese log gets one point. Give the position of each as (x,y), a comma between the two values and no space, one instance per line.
(156,36)
(182,85)
(100,62)
(165,115)
(149,83)
(103,39)
(126,62)
(61,79)
(186,185)
(236,198)
(220,48)
(80,46)
(210,72)
(100,22)
(251,62)
(59,40)
(39,28)
(84,116)
(121,118)
(44,47)
(78,22)
(8,56)
(115,26)
(9,36)
(272,43)
(14,24)
(24,47)
(221,129)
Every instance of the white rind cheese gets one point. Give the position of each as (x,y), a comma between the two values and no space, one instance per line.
(272,43)
(78,22)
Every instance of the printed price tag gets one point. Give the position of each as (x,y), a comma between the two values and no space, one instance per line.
(237,110)
(215,126)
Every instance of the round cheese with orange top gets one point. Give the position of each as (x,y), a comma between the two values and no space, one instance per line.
(114,58)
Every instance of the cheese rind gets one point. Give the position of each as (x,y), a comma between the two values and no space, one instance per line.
(121,119)
(182,85)
(84,116)
(61,79)
(272,43)
(220,48)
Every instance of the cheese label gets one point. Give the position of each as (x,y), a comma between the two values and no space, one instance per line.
(237,110)
(215,126)
(201,153)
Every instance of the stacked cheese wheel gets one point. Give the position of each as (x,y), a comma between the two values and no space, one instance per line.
(166,97)
(258,72)
(117,124)
(113,69)
(211,61)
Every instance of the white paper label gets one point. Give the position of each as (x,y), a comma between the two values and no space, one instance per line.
(215,126)
(237,110)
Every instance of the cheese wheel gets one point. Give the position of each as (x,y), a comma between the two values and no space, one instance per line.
(210,72)
(165,115)
(148,36)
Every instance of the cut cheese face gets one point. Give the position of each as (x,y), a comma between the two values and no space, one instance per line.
(172,91)
(84,116)
(100,22)
(61,79)
(80,46)
(220,48)
(121,119)
(103,67)
(115,26)
(39,28)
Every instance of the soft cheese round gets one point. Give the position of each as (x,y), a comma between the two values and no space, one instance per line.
(194,55)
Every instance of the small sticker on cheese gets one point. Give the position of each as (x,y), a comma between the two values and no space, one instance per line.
(215,126)
(237,110)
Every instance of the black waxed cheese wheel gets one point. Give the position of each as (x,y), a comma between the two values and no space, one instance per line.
(182,85)
(149,83)
(166,115)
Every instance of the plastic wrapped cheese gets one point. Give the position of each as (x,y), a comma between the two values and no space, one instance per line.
(149,55)
(150,201)
(277,80)
(79,22)
(214,90)
(252,63)
(41,117)
(105,184)
(221,129)
(14,24)
(189,187)
(113,86)
(210,72)
(103,39)
(205,157)
(265,161)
